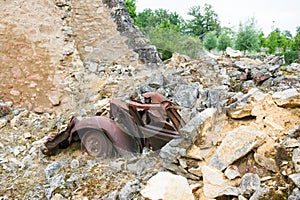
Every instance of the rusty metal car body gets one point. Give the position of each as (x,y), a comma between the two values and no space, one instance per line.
(131,126)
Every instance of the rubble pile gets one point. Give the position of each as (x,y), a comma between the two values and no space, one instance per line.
(240,141)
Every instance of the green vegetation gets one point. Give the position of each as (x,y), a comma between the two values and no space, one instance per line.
(247,38)
(169,32)
(210,40)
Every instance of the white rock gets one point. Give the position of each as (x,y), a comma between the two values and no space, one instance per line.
(165,185)
(296,159)
(236,144)
(232,172)
(287,98)
(214,182)
(233,53)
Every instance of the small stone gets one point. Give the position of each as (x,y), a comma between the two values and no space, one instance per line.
(14,92)
(250,183)
(130,188)
(74,164)
(3,122)
(53,168)
(232,172)
(163,186)
(296,179)
(296,159)
(287,98)
(295,194)
(27,135)
(58,197)
(54,99)
(215,183)
(38,110)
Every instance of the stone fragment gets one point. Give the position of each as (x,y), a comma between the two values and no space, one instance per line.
(3,122)
(55,182)
(38,110)
(58,196)
(287,98)
(233,53)
(191,129)
(261,158)
(74,164)
(295,194)
(236,144)
(250,183)
(186,95)
(53,168)
(259,193)
(214,182)
(296,179)
(27,135)
(232,172)
(296,159)
(14,92)
(54,98)
(130,188)
(165,185)
(294,67)
(156,80)
(142,165)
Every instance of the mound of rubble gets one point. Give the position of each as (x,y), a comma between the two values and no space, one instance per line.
(241,139)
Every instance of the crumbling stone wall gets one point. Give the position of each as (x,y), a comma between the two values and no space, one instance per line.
(104,33)
(135,39)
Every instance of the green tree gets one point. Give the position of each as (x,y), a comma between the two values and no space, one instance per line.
(210,40)
(168,41)
(247,38)
(131,7)
(296,42)
(148,20)
(262,40)
(273,41)
(224,41)
(203,20)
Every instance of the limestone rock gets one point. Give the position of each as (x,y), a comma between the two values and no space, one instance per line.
(186,95)
(296,179)
(250,183)
(287,98)
(296,160)
(165,185)
(233,53)
(295,195)
(214,182)
(232,172)
(236,144)
(261,157)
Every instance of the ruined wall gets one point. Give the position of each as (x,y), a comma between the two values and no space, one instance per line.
(104,33)
(40,39)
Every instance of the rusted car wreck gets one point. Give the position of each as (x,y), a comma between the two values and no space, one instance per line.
(130,127)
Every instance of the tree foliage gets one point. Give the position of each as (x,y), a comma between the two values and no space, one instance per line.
(168,40)
(247,36)
(224,41)
(203,20)
(210,40)
(131,7)
(149,19)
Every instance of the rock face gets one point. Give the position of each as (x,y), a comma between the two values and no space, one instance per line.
(41,38)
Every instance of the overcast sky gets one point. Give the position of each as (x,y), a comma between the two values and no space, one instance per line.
(269,14)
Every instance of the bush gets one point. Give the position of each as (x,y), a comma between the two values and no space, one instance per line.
(168,41)
(290,57)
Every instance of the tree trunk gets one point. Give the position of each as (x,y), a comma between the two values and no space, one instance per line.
(299,55)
